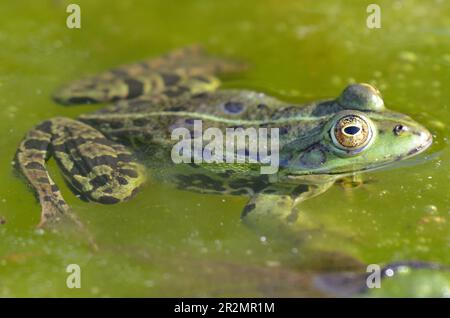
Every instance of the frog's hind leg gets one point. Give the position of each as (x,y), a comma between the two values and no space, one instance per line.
(180,71)
(99,169)
(30,160)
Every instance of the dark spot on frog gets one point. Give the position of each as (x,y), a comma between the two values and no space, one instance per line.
(46,127)
(326,108)
(35,165)
(74,185)
(284,160)
(86,164)
(122,180)
(313,157)
(200,95)
(261,106)
(140,122)
(237,127)
(170,79)
(286,112)
(106,199)
(176,109)
(135,87)
(116,125)
(36,144)
(233,107)
(247,209)
(99,181)
(284,130)
(299,190)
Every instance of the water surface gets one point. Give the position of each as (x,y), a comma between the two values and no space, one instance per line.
(167,242)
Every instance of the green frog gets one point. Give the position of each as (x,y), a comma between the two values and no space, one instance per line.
(106,156)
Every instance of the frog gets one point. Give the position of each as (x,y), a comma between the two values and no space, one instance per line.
(108,155)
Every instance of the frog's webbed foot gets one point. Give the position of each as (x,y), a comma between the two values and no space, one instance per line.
(276,213)
(269,214)
(188,70)
(349,183)
(99,169)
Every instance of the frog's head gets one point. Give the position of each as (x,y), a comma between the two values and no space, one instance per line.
(361,135)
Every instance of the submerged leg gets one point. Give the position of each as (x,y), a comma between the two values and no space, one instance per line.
(100,170)
(274,213)
(188,69)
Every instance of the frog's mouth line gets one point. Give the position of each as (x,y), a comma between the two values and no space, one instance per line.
(420,148)
(411,153)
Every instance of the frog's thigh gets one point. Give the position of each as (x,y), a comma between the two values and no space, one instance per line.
(99,169)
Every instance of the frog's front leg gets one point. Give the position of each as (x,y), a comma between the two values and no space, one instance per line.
(99,169)
(275,213)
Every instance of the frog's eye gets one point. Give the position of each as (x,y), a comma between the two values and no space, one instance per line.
(351,133)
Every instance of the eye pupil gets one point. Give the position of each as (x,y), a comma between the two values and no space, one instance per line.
(351,130)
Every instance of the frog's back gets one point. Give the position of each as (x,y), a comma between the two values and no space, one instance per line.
(153,118)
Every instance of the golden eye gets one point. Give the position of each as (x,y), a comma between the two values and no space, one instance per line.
(351,132)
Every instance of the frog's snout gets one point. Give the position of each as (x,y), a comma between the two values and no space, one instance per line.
(425,141)
(422,138)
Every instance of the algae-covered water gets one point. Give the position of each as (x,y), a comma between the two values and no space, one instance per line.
(167,242)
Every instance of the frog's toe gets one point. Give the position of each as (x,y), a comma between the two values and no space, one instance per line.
(52,212)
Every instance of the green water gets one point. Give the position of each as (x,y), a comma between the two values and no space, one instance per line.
(174,243)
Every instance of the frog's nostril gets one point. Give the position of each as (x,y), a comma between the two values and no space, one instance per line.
(399,129)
